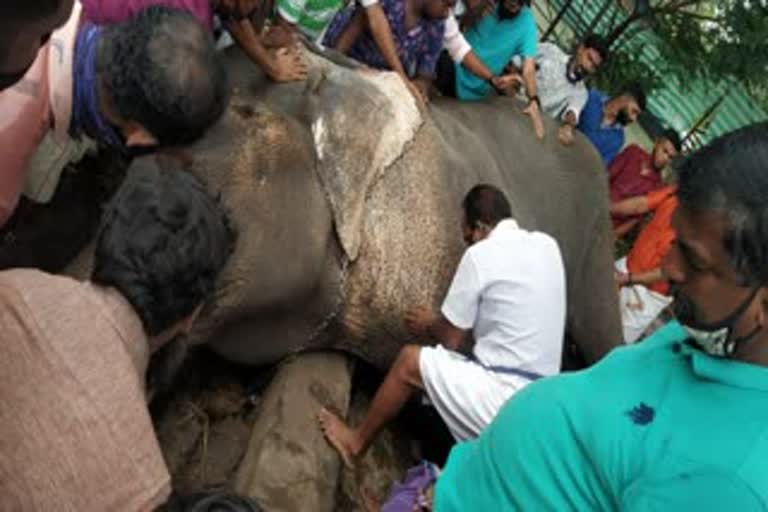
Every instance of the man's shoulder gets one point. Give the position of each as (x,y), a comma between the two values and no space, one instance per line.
(549,50)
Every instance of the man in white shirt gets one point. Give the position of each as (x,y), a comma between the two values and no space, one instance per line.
(508,294)
(560,78)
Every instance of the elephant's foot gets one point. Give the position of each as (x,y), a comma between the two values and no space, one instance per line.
(288,463)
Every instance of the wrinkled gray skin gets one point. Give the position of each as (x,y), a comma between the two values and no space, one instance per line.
(293,285)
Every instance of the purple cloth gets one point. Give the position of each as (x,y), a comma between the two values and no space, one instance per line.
(86,111)
(418,48)
(405,495)
(108,12)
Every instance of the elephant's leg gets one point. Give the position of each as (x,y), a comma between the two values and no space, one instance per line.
(288,463)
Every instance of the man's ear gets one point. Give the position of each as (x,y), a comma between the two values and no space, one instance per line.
(137,136)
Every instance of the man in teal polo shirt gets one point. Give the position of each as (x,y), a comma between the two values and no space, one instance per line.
(678,422)
(507,31)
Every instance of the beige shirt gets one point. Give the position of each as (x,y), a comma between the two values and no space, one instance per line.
(75,432)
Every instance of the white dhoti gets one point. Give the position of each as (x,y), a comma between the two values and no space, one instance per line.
(639,306)
(466,395)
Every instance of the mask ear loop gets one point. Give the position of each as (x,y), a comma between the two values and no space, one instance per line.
(732,344)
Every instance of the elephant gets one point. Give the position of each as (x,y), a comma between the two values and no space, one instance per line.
(347,198)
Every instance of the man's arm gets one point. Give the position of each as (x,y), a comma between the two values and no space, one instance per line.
(385,41)
(632,206)
(284,65)
(534,108)
(422,321)
(565,133)
(625,227)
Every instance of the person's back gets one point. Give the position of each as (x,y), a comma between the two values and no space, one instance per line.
(73,414)
(521,321)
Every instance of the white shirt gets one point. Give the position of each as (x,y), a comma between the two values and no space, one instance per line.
(510,290)
(557,94)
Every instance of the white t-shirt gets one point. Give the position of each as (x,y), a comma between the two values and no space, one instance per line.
(510,290)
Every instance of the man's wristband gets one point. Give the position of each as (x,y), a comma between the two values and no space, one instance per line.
(536,99)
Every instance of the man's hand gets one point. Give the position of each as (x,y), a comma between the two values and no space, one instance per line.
(415,90)
(419,319)
(532,110)
(565,134)
(287,66)
(622,278)
(507,82)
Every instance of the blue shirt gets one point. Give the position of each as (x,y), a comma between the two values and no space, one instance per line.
(495,42)
(608,140)
(655,426)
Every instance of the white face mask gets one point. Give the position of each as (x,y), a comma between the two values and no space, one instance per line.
(717,339)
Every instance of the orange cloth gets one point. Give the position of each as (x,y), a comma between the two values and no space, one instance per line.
(656,237)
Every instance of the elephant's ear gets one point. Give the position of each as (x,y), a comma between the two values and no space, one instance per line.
(362,122)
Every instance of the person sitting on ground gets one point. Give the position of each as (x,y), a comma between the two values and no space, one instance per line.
(635,172)
(508,294)
(644,290)
(418,27)
(83,438)
(25,26)
(603,120)
(152,81)
(282,65)
(560,80)
(677,422)
(497,37)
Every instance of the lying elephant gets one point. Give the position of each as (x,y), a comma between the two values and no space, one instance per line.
(347,199)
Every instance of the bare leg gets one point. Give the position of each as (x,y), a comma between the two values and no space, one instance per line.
(402,380)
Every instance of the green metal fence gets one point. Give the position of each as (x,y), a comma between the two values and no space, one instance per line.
(712,107)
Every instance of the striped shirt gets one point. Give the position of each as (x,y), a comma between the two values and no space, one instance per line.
(310,16)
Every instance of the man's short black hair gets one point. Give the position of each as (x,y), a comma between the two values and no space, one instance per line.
(635,90)
(162,244)
(730,175)
(485,204)
(597,43)
(162,70)
(212,502)
(672,136)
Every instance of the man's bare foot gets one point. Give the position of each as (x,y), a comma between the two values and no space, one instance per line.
(339,435)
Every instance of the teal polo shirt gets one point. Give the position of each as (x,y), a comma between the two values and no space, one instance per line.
(655,426)
(495,42)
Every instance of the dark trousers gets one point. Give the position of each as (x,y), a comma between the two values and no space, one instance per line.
(445,81)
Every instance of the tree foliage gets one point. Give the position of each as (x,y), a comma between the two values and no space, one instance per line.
(721,40)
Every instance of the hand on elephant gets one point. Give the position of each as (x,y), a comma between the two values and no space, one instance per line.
(533,111)
(507,83)
(288,66)
(622,278)
(565,134)
(415,90)
(419,319)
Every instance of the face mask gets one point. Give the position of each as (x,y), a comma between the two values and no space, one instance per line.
(573,73)
(716,338)
(622,118)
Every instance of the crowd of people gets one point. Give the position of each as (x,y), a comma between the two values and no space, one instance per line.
(677,421)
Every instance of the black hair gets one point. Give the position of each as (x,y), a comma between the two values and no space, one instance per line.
(162,244)
(485,204)
(211,502)
(672,136)
(28,10)
(635,90)
(598,43)
(730,175)
(162,70)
